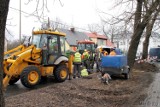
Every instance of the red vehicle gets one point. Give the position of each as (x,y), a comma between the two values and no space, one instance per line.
(86,44)
(89,46)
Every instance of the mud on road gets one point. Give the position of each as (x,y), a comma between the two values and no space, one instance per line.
(88,93)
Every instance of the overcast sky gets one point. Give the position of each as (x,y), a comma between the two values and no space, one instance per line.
(78,13)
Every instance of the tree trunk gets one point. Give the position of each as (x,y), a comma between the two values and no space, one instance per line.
(4,5)
(138,29)
(134,45)
(136,35)
(149,28)
(146,41)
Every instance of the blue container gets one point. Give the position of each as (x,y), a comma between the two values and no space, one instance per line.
(118,51)
(117,61)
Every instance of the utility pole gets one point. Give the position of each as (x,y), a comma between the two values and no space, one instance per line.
(20,21)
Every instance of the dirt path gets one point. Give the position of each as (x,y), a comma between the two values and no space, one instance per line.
(92,93)
(86,93)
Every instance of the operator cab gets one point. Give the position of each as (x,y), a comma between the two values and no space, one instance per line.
(89,45)
(51,43)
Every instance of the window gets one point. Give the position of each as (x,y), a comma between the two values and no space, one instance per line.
(43,40)
(62,44)
(81,46)
(36,40)
(88,46)
(53,45)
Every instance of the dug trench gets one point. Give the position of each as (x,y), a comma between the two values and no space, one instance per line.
(90,92)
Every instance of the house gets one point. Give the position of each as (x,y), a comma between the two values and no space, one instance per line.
(72,36)
(100,39)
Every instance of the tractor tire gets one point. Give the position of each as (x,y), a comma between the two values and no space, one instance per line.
(126,76)
(30,76)
(61,73)
(13,80)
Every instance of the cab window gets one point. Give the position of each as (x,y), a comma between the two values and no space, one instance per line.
(36,40)
(53,45)
(62,44)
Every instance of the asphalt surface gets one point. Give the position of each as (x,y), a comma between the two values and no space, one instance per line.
(153,97)
(18,88)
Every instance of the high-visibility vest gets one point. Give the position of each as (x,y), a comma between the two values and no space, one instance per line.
(84,72)
(105,53)
(86,55)
(112,53)
(77,57)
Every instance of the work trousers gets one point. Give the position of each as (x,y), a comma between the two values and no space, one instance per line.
(76,71)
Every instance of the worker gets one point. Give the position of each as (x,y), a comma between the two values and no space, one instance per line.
(77,61)
(112,53)
(97,59)
(84,72)
(105,53)
(85,58)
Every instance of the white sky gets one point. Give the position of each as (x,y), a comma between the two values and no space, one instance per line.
(78,13)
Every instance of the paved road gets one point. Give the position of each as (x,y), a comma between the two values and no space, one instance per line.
(18,88)
(153,98)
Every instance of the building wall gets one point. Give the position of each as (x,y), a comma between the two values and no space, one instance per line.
(94,39)
(101,42)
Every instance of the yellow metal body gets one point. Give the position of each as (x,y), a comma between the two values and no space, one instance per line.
(17,59)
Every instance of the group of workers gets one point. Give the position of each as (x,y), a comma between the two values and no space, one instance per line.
(79,60)
(82,60)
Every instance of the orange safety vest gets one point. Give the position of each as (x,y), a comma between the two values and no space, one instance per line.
(112,53)
(105,53)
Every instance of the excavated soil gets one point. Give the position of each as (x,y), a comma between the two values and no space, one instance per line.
(91,92)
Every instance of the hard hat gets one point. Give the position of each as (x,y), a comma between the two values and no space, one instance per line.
(85,50)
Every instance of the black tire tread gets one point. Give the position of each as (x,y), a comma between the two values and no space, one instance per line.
(57,73)
(25,73)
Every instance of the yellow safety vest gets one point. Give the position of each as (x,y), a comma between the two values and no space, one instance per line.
(86,55)
(77,57)
(84,72)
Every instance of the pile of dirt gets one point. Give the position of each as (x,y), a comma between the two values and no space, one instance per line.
(147,67)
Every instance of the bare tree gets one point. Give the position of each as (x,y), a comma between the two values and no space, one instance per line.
(139,25)
(4,5)
(149,28)
(54,24)
(141,18)
(94,28)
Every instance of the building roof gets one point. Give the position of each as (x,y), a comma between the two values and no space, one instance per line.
(110,44)
(95,35)
(72,36)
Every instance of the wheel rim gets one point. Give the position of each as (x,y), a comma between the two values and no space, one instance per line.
(33,77)
(63,74)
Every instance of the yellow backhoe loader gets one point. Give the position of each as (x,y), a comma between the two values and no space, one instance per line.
(44,56)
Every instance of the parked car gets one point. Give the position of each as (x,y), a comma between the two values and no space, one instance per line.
(155,52)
